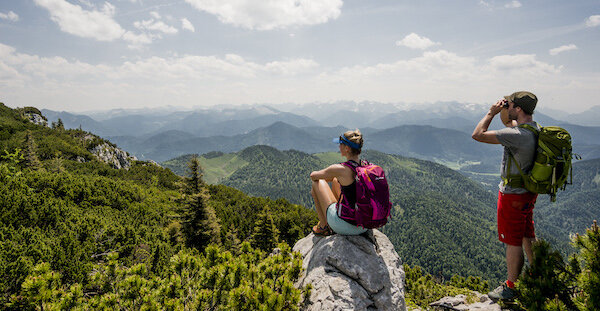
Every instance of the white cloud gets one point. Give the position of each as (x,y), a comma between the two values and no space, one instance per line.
(154,25)
(155,14)
(108,9)
(513,4)
(187,25)
(183,68)
(442,75)
(185,79)
(525,64)
(96,24)
(593,21)
(137,40)
(414,41)
(73,19)
(291,68)
(189,80)
(10,16)
(270,14)
(562,48)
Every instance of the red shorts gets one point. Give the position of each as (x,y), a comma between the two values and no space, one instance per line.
(515,217)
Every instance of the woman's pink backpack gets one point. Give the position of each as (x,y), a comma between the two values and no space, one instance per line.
(373,205)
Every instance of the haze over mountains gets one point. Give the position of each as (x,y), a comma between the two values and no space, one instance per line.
(439,132)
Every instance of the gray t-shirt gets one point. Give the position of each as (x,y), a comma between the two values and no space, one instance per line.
(521,143)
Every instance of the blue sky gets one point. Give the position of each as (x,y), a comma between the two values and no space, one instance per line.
(79,55)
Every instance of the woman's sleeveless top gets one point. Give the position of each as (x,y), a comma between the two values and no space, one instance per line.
(348,196)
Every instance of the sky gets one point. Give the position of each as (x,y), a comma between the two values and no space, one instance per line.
(82,55)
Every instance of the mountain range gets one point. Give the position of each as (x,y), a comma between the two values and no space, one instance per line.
(438,132)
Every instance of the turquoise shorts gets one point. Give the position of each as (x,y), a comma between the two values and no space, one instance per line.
(339,225)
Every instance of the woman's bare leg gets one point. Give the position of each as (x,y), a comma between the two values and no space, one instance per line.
(322,218)
(336,188)
(323,197)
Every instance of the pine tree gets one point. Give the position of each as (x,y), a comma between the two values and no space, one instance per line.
(589,278)
(200,224)
(56,163)
(265,234)
(551,284)
(60,125)
(232,241)
(31,159)
(544,279)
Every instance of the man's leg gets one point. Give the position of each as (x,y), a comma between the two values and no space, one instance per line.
(527,244)
(514,261)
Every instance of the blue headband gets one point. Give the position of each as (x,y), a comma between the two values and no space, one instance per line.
(343,140)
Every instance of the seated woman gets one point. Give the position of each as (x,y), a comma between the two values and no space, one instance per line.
(342,182)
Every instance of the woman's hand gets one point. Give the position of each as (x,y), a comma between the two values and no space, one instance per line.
(313,176)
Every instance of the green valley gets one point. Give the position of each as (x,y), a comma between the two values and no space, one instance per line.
(446,216)
(441,221)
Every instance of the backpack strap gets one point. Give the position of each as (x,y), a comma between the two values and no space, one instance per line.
(353,164)
(530,128)
(517,181)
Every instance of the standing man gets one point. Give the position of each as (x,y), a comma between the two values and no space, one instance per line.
(515,203)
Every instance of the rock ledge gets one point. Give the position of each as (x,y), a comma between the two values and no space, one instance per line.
(352,272)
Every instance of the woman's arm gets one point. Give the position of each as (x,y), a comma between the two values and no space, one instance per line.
(328,173)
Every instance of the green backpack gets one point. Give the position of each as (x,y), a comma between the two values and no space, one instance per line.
(552,165)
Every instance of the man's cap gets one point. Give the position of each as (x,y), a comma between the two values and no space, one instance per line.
(525,100)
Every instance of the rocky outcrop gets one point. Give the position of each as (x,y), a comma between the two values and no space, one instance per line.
(36,118)
(460,302)
(352,272)
(113,156)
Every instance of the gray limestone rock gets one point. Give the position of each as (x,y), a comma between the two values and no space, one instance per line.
(459,302)
(114,156)
(37,119)
(352,272)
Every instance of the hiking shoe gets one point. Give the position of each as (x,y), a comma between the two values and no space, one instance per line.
(502,292)
(322,231)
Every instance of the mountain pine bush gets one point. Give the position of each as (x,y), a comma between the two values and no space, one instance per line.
(549,283)
(212,280)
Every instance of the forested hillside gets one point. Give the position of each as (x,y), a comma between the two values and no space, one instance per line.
(431,202)
(74,231)
(442,221)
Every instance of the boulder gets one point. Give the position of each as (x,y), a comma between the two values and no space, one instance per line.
(352,272)
(459,302)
